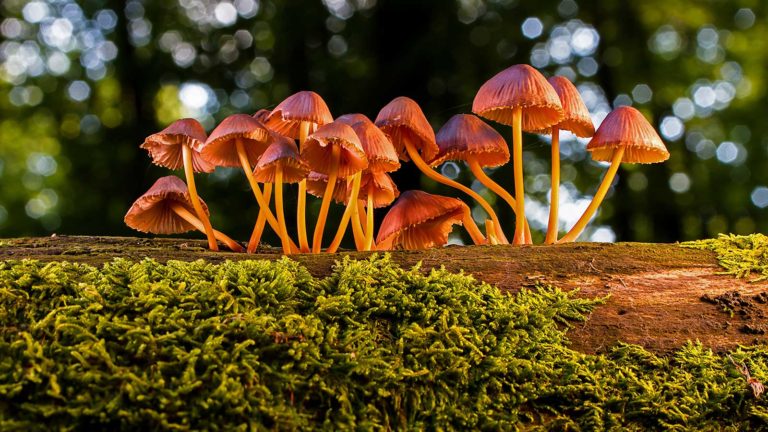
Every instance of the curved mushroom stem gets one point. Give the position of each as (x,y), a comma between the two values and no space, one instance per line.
(472,229)
(189,173)
(490,229)
(369,220)
(317,238)
(185,214)
(301,206)
(348,213)
(554,200)
(255,187)
(486,181)
(357,226)
(517,163)
(279,209)
(261,221)
(573,234)
(423,167)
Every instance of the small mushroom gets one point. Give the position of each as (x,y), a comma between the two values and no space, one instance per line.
(624,136)
(419,220)
(166,208)
(178,146)
(521,97)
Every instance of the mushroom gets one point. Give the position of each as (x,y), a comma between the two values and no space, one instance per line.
(411,134)
(577,121)
(624,136)
(521,97)
(281,163)
(166,208)
(334,150)
(419,220)
(297,117)
(239,141)
(177,146)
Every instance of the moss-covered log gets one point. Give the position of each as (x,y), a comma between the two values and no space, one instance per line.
(661,295)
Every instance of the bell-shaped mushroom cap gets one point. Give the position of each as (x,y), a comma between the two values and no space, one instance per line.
(466,135)
(404,121)
(221,150)
(576,117)
(304,106)
(351,119)
(419,220)
(382,188)
(281,152)
(317,150)
(165,146)
(519,86)
(262,115)
(627,127)
(317,182)
(379,150)
(151,212)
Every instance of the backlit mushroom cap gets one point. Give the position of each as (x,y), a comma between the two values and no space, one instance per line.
(627,127)
(317,182)
(384,189)
(519,86)
(576,117)
(419,220)
(262,115)
(220,149)
(379,150)
(351,119)
(466,135)
(165,146)
(151,212)
(304,106)
(404,121)
(281,152)
(317,150)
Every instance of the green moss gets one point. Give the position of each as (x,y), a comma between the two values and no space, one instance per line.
(740,255)
(257,345)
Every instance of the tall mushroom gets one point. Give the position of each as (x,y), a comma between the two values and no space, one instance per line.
(166,208)
(281,163)
(624,136)
(296,117)
(334,150)
(521,97)
(419,220)
(576,120)
(261,220)
(177,146)
(411,134)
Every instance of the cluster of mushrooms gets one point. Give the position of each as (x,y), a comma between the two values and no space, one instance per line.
(347,160)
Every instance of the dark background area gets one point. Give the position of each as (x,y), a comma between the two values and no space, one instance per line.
(82,83)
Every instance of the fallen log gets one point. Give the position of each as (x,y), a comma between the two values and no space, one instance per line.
(661,295)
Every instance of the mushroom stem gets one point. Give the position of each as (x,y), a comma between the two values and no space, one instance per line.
(472,229)
(301,206)
(185,214)
(279,209)
(574,233)
(317,238)
(271,220)
(189,172)
(348,213)
(261,221)
(357,226)
(488,182)
(369,220)
(554,199)
(448,182)
(517,161)
(490,229)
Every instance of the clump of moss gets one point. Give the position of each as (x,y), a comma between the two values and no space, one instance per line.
(259,345)
(740,255)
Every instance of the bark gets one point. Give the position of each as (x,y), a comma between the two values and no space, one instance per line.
(656,290)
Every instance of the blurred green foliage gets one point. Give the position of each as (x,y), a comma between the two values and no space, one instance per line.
(82,83)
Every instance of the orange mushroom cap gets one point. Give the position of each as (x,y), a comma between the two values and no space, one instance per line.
(627,127)
(165,146)
(379,150)
(151,212)
(281,152)
(419,220)
(351,119)
(220,148)
(304,106)
(576,117)
(317,150)
(384,190)
(403,120)
(262,115)
(465,135)
(317,182)
(519,86)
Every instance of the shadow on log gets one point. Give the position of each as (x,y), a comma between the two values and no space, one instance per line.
(661,295)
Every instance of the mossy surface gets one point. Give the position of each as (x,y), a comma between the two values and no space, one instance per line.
(744,256)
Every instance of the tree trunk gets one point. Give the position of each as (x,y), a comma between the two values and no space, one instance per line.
(661,295)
